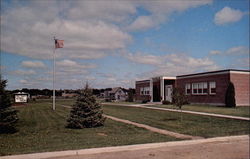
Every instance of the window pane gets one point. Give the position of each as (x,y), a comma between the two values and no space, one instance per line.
(205,90)
(205,85)
(212,87)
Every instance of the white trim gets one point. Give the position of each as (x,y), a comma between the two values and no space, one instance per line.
(162,89)
(144,81)
(240,72)
(168,78)
(151,90)
(213,73)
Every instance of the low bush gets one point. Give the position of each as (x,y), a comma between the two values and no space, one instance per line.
(144,101)
(166,102)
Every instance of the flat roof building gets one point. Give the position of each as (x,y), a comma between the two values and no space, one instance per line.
(200,88)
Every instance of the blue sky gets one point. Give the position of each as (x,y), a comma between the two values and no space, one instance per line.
(114,43)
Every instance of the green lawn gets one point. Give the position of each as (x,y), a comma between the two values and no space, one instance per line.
(41,129)
(238,111)
(191,124)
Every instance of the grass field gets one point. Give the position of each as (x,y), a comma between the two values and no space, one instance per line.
(238,111)
(41,129)
(191,124)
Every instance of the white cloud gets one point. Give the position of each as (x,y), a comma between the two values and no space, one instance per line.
(33,64)
(171,64)
(215,52)
(108,10)
(144,58)
(90,29)
(159,11)
(238,50)
(227,15)
(23,72)
(22,81)
(73,64)
(142,23)
(84,38)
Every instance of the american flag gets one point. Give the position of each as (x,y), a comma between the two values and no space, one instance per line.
(59,43)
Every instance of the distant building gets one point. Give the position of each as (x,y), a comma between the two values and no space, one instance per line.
(200,88)
(21,97)
(69,95)
(118,94)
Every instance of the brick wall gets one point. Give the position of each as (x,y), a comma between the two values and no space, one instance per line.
(138,85)
(222,81)
(241,85)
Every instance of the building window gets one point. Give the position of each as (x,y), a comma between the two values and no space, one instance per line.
(199,88)
(194,88)
(141,91)
(212,88)
(146,90)
(205,88)
(188,88)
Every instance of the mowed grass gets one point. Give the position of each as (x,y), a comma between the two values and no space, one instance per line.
(41,129)
(195,125)
(243,111)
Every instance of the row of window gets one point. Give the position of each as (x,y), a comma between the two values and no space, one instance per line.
(144,90)
(200,88)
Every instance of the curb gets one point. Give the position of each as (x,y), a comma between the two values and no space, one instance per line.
(45,155)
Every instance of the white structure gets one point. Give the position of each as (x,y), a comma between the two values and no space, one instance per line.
(160,88)
(118,94)
(21,97)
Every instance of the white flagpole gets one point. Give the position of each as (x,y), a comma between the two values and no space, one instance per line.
(54,66)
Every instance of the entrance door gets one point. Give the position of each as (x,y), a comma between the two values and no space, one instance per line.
(168,92)
(156,93)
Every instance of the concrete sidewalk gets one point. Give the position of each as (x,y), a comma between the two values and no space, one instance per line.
(230,147)
(183,111)
(157,130)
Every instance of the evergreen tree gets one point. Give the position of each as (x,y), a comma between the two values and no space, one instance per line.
(8,115)
(230,96)
(86,112)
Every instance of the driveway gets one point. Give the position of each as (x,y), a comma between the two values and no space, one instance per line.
(216,148)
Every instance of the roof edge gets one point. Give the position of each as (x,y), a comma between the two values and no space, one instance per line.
(212,72)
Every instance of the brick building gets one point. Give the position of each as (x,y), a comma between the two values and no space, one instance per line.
(202,88)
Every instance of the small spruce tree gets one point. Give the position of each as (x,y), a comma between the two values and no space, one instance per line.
(86,112)
(230,96)
(8,115)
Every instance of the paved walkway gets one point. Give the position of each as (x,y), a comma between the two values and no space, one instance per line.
(231,147)
(153,129)
(183,111)
(150,128)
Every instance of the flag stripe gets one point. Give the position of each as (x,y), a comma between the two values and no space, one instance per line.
(59,43)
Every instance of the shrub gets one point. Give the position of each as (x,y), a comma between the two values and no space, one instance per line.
(130,95)
(8,115)
(144,101)
(179,98)
(86,112)
(107,100)
(166,102)
(230,96)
